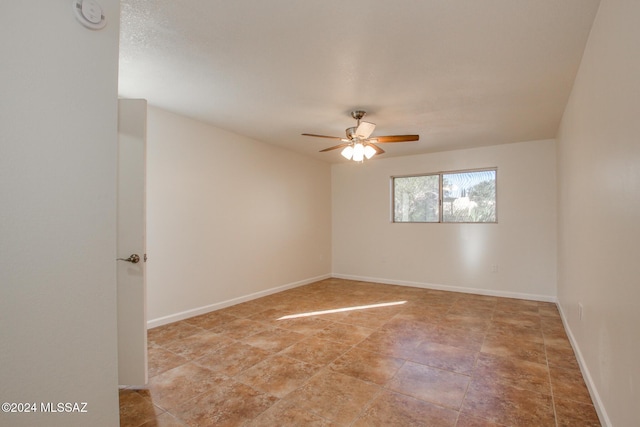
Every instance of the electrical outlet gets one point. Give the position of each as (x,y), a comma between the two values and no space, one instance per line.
(580,310)
(494,268)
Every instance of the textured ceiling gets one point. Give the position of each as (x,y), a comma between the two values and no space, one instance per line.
(458,73)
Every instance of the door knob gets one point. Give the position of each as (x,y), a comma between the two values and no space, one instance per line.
(134,259)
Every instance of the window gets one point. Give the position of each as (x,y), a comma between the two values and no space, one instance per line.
(464,196)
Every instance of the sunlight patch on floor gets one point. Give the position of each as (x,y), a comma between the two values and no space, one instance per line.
(340,310)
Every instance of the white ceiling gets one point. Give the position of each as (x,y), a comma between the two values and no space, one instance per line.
(460,73)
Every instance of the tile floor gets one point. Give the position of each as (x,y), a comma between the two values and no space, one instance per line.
(318,356)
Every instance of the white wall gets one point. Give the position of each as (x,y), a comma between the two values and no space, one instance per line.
(58,141)
(366,244)
(228,217)
(599,211)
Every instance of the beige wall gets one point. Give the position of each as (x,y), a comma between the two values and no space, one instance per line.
(599,201)
(228,217)
(367,245)
(58,144)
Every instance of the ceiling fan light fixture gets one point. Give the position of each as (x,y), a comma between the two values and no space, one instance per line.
(358,152)
(347,153)
(369,151)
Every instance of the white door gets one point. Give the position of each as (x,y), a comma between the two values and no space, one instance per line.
(131,246)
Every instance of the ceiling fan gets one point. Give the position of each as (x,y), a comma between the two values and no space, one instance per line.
(359,143)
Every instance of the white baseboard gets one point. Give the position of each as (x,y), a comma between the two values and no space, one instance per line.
(219,305)
(495,293)
(595,396)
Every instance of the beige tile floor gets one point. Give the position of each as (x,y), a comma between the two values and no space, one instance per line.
(428,358)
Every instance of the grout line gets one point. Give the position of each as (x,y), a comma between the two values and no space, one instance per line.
(367,405)
(546,359)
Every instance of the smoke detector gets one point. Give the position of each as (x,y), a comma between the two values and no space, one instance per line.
(89,14)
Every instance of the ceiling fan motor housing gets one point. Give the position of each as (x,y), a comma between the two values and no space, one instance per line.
(358,114)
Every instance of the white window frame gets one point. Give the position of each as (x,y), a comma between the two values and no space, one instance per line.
(441,175)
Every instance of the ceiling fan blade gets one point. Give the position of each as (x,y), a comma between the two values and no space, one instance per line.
(395,138)
(323,136)
(375,147)
(365,129)
(335,147)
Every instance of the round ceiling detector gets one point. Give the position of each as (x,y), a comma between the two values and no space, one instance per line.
(89,13)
